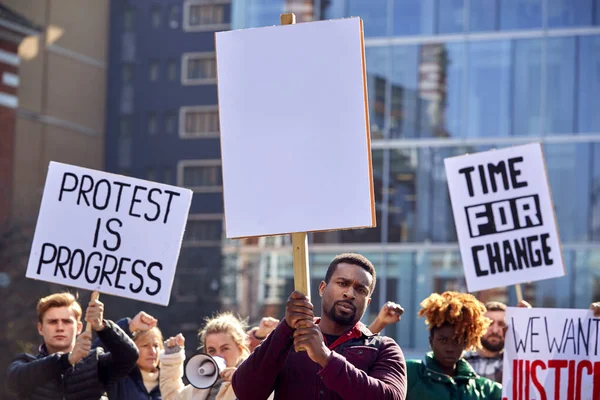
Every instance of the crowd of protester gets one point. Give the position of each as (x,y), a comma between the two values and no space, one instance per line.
(305,355)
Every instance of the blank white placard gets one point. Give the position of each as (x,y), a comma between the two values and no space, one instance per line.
(294,128)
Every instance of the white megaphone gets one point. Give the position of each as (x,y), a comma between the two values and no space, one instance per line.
(202,370)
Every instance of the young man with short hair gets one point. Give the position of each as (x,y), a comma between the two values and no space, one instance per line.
(66,367)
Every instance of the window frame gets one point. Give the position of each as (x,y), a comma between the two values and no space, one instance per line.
(183,164)
(196,135)
(187,5)
(205,55)
(205,243)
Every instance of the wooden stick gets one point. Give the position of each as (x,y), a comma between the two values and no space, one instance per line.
(95,296)
(299,240)
(287,19)
(301,269)
(519,293)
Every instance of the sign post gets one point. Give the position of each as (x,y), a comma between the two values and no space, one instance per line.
(299,239)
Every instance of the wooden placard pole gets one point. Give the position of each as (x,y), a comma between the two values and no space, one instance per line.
(301,270)
(299,240)
(519,293)
(95,296)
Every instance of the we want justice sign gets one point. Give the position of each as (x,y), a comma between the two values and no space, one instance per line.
(504,217)
(551,354)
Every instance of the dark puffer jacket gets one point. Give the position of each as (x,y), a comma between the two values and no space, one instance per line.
(50,377)
(132,386)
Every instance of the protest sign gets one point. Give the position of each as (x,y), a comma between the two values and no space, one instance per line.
(294,128)
(504,217)
(551,354)
(109,233)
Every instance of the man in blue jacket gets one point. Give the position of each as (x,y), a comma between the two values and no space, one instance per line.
(65,367)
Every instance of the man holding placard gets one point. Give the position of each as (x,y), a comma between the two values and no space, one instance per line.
(65,367)
(332,357)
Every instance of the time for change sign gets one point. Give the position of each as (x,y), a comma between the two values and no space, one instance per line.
(504,217)
(110,233)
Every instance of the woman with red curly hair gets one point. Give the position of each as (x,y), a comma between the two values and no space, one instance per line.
(456,323)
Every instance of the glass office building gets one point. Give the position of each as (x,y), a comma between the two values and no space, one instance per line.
(448,77)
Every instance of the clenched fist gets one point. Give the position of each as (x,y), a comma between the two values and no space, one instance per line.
(390,313)
(308,337)
(298,308)
(142,322)
(94,314)
(266,326)
(82,347)
(175,341)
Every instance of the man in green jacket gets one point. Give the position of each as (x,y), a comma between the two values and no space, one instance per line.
(456,323)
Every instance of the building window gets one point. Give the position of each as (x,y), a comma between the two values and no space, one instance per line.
(128,20)
(152,123)
(156,17)
(154,70)
(125,143)
(201,121)
(127,72)
(200,175)
(172,70)
(198,69)
(201,229)
(170,122)
(200,15)
(174,17)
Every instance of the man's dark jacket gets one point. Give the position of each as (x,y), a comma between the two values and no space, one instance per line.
(51,376)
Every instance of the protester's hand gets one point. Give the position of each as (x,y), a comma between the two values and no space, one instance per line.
(83,345)
(227,373)
(298,308)
(523,304)
(142,322)
(390,313)
(308,337)
(175,341)
(266,326)
(595,307)
(94,314)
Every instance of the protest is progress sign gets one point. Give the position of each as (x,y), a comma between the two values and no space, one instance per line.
(295,140)
(110,233)
(551,354)
(504,217)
